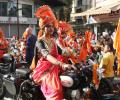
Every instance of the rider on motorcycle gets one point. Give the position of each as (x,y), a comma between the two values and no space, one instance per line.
(46,73)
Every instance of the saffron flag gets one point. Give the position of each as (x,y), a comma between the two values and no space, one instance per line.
(116,46)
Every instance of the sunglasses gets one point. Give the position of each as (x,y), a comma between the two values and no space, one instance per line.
(48,26)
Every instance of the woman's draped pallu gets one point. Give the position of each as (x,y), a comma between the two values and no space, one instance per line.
(47,75)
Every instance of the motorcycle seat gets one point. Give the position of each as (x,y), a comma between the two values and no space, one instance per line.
(108,96)
(116,80)
(22,71)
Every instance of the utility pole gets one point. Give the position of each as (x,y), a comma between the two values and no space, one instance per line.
(17,21)
(9,19)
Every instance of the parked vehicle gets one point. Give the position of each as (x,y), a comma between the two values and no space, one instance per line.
(7,67)
(19,85)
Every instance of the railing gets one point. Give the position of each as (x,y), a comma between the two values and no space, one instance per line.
(22,20)
(82,7)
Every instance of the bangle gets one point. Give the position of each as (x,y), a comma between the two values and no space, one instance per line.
(59,63)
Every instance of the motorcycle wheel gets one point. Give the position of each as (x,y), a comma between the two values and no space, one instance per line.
(94,95)
(37,95)
(2,89)
(105,87)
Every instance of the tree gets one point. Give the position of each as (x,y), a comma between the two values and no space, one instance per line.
(62,8)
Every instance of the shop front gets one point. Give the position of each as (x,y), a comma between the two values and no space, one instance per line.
(103,18)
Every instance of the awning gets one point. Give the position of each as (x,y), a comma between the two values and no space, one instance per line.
(115,8)
(99,10)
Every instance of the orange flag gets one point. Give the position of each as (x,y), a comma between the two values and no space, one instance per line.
(95,77)
(116,46)
(83,52)
(88,36)
(86,47)
(116,43)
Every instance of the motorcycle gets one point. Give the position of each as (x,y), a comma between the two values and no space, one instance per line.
(76,84)
(16,83)
(7,67)
(109,88)
(87,88)
(20,86)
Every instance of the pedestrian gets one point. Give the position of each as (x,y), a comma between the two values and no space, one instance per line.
(30,44)
(107,62)
(26,33)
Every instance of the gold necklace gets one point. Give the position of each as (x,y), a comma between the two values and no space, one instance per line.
(49,44)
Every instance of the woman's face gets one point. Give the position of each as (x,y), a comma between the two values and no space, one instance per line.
(106,48)
(49,29)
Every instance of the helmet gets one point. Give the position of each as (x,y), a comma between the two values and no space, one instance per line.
(70,80)
(7,58)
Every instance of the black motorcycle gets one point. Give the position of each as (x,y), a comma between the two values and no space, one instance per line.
(7,67)
(19,84)
(109,88)
(87,87)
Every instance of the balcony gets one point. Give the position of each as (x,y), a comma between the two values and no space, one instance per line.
(22,20)
(82,8)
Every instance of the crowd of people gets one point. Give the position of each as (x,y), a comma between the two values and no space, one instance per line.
(57,48)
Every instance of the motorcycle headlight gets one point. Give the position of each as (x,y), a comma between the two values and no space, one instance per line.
(70,80)
(66,81)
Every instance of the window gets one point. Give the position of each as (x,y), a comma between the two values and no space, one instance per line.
(3,9)
(12,9)
(79,2)
(26,10)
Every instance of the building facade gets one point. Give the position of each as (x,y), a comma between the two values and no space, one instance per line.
(16,15)
(103,15)
(79,6)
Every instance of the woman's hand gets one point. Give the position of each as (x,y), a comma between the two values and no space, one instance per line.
(68,66)
(65,52)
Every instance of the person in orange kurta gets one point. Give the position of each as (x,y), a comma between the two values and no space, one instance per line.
(3,43)
(46,73)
